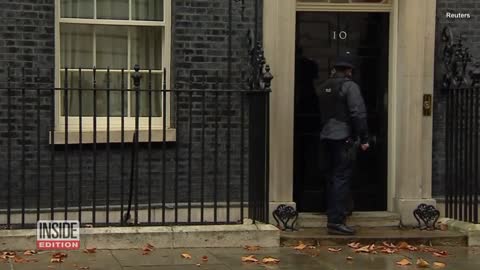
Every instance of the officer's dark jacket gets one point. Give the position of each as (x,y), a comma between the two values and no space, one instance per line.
(342,109)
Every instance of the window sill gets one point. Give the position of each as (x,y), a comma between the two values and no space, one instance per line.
(115,136)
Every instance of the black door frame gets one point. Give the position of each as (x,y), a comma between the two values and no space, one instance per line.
(384,151)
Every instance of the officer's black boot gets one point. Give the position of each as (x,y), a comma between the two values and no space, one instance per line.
(340,229)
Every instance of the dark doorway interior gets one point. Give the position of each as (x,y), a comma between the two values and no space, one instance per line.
(321,37)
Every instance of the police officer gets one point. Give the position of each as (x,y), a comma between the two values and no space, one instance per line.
(343,120)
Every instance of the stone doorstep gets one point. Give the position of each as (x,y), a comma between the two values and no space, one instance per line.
(212,236)
(361,219)
(472,231)
(319,236)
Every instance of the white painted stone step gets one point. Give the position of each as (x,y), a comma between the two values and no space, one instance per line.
(362,219)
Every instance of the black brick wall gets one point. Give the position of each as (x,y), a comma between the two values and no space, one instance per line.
(199,48)
(470,27)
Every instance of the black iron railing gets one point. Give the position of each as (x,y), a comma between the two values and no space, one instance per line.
(462,163)
(116,147)
(461,84)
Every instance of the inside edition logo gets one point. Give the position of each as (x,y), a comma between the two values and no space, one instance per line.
(58,235)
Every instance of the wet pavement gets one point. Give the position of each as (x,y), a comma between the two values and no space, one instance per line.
(461,258)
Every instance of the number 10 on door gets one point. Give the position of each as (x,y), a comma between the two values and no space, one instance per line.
(341,35)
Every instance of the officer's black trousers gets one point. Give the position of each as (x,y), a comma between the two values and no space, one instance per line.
(341,164)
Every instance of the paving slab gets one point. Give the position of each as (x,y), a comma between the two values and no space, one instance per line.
(101,260)
(159,257)
(464,258)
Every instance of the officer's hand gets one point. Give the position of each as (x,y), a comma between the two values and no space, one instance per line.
(365,146)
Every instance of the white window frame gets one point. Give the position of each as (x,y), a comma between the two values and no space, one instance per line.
(115,122)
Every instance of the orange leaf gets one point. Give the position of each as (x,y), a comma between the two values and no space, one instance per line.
(8,254)
(147,248)
(56,260)
(18,259)
(364,249)
(251,248)
(402,245)
(301,246)
(270,260)
(186,256)
(440,253)
(334,249)
(58,257)
(439,265)
(249,258)
(412,248)
(422,263)
(29,252)
(354,245)
(389,245)
(404,262)
(204,258)
(90,250)
(389,251)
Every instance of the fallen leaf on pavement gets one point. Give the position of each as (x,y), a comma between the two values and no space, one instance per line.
(251,248)
(56,260)
(402,245)
(389,250)
(412,248)
(349,258)
(388,245)
(58,257)
(18,259)
(301,246)
(364,249)
(198,265)
(186,256)
(334,249)
(439,265)
(440,253)
(249,258)
(29,252)
(354,245)
(404,262)
(204,258)
(8,254)
(443,227)
(270,260)
(422,263)
(90,250)
(147,249)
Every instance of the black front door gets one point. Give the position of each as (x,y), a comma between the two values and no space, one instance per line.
(321,37)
